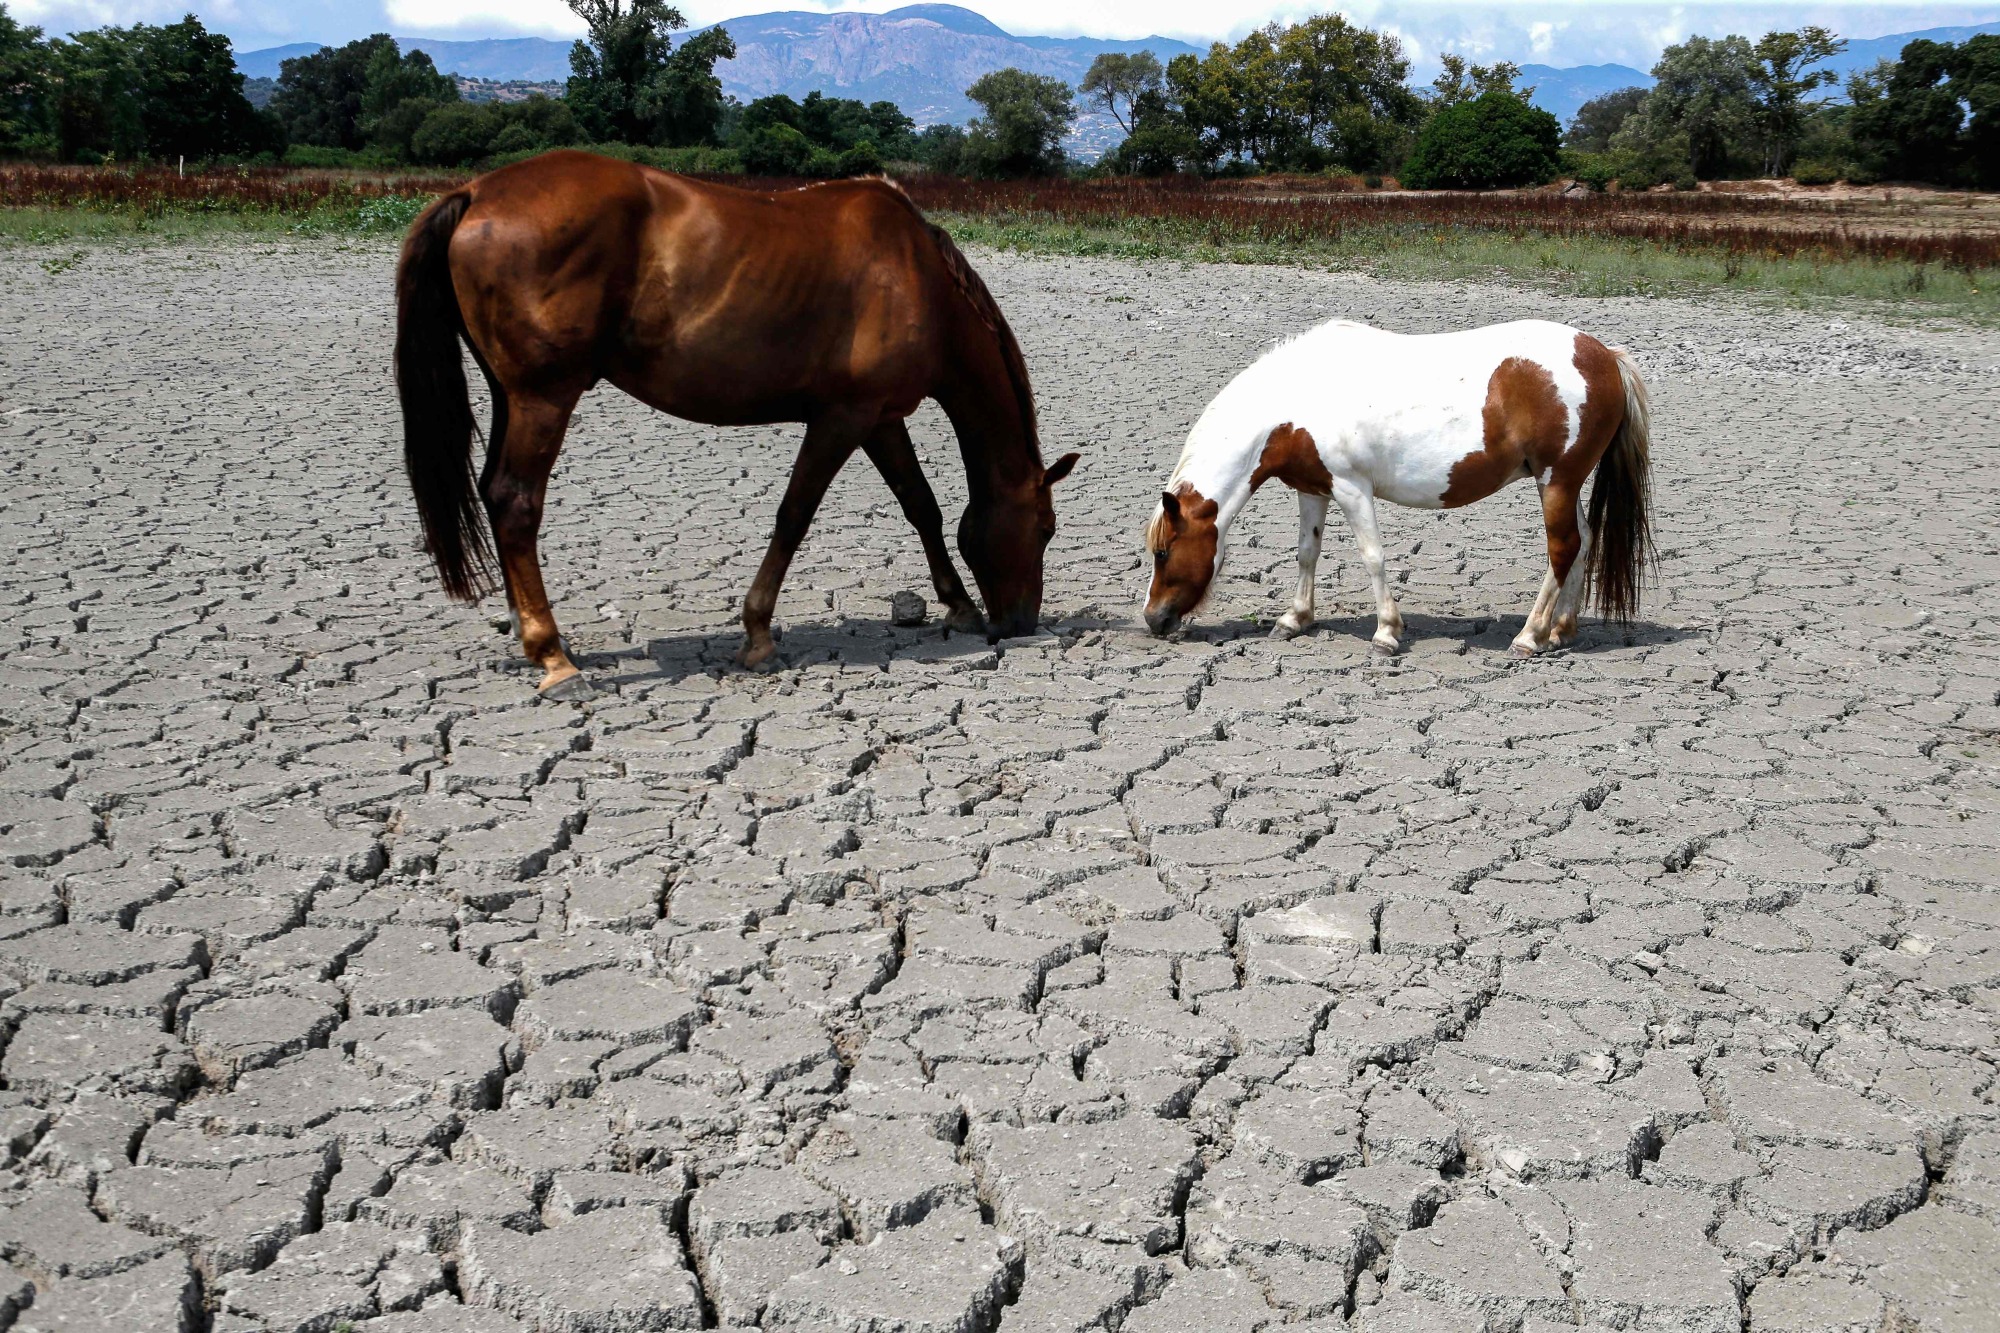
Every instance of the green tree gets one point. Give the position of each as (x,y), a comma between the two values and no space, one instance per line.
(1116,76)
(190,95)
(1596,121)
(1493,140)
(1021,133)
(24,70)
(1780,79)
(319,96)
(939,148)
(821,136)
(92,106)
(1704,94)
(1161,141)
(1459,82)
(397,92)
(629,83)
(1906,119)
(1976,76)
(1306,96)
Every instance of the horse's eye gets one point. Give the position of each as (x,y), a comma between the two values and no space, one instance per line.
(1160,556)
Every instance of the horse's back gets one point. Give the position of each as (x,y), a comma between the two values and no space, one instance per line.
(1439,419)
(710,301)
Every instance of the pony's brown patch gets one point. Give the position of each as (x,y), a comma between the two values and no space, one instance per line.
(1603,405)
(1525,429)
(1182,539)
(1291,456)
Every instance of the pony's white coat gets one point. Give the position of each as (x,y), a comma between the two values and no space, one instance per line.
(1390,415)
(1396,411)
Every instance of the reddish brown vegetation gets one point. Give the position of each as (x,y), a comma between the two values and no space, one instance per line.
(1767,226)
(235,190)
(1267,210)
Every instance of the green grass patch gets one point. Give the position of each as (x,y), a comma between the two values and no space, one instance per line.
(387,216)
(1560,265)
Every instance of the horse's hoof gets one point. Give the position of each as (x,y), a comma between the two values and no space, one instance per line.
(1285,630)
(966,620)
(1384,648)
(755,655)
(575,688)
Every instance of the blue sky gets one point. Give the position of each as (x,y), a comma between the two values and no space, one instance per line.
(1622,31)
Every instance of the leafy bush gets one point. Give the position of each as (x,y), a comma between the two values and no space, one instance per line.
(1819,173)
(1597,170)
(1495,140)
(389,213)
(314,157)
(697,161)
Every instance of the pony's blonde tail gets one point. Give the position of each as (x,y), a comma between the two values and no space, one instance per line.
(1621,524)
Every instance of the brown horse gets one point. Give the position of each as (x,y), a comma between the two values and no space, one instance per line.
(836,305)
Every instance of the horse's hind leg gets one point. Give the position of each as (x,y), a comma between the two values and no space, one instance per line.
(889,448)
(1568,546)
(1312,521)
(829,443)
(514,486)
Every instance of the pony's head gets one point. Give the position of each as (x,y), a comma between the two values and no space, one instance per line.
(1185,543)
(1003,537)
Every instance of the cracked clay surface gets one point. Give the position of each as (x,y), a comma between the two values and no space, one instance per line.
(1089,982)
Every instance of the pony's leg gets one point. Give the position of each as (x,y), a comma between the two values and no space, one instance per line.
(889,448)
(514,488)
(1312,519)
(1569,600)
(1566,545)
(829,443)
(1535,628)
(1357,501)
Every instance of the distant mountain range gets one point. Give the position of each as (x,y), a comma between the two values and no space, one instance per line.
(922,57)
(1562,91)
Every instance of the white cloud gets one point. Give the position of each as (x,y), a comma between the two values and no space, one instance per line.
(483,17)
(1542,37)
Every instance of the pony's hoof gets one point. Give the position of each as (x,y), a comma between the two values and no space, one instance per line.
(1382,647)
(965,620)
(574,688)
(1524,647)
(755,655)
(1285,629)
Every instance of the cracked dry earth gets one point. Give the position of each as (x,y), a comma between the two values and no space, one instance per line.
(1086,982)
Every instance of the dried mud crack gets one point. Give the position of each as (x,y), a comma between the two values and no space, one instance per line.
(1085,982)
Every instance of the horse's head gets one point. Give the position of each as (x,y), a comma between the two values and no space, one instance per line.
(1185,543)
(1002,537)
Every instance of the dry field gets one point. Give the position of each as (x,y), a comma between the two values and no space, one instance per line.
(1085,981)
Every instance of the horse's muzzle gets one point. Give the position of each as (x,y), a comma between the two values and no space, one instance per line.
(1163,621)
(1013,625)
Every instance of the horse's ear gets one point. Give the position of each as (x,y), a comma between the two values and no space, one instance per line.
(1170,505)
(1059,469)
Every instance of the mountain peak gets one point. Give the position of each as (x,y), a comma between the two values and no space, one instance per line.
(953,18)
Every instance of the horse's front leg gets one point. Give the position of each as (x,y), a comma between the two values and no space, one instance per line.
(1312,522)
(829,443)
(1357,500)
(889,448)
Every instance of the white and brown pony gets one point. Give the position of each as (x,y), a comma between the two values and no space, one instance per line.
(1351,414)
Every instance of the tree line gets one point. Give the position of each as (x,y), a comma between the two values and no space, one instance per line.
(1323,94)
(1726,106)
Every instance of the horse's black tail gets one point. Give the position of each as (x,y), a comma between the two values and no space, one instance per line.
(438,424)
(1621,525)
